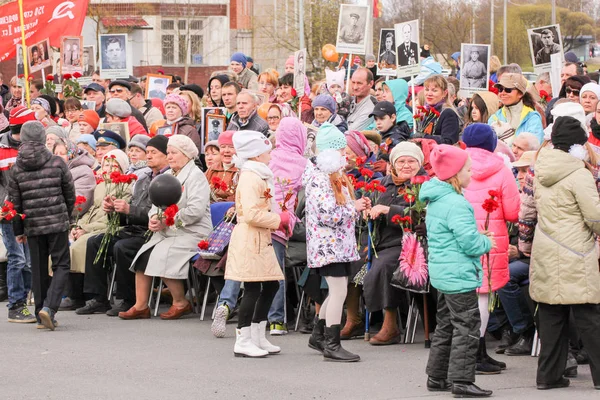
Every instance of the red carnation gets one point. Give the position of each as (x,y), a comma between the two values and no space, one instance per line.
(360,161)
(21,76)
(409,198)
(490,205)
(50,77)
(76,75)
(30,78)
(80,200)
(170,221)
(171,211)
(367,173)
(67,76)
(359,185)
(380,189)
(494,193)
(203,245)
(396,219)
(22,216)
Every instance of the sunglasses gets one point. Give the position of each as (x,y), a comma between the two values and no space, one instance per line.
(116,90)
(503,89)
(574,92)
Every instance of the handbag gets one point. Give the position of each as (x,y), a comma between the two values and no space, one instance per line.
(412,273)
(218,240)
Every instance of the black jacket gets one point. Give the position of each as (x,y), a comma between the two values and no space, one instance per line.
(398,133)
(447,128)
(41,187)
(136,222)
(5,94)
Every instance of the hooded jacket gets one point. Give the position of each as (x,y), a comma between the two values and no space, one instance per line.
(490,173)
(564,260)
(5,94)
(83,178)
(41,187)
(399,89)
(455,244)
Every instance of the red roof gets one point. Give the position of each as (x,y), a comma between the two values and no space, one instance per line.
(132,22)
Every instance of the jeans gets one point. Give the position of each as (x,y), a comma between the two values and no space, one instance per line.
(18,271)
(229,293)
(513,300)
(277,311)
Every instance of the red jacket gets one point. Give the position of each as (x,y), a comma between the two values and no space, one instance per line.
(135,128)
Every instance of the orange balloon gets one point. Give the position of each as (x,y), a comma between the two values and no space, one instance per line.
(263,110)
(330,53)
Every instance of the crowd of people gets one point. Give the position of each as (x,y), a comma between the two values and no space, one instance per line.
(498,194)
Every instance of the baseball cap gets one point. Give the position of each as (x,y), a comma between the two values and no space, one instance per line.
(95,87)
(382,109)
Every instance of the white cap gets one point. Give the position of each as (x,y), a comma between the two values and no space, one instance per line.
(249,144)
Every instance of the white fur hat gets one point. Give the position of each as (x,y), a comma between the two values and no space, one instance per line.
(335,77)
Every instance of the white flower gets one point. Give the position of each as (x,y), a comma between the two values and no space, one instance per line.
(578,151)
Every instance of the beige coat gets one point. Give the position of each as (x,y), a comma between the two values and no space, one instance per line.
(564,260)
(251,257)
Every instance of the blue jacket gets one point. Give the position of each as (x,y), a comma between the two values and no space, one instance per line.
(531,121)
(455,244)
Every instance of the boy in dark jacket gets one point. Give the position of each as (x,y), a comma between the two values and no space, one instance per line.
(385,121)
(41,187)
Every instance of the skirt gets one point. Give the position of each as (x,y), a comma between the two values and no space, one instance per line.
(336,270)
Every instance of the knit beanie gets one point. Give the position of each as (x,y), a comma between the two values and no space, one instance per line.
(330,137)
(226,138)
(566,132)
(139,141)
(590,87)
(185,145)
(369,57)
(33,131)
(481,136)
(159,142)
(120,157)
(57,131)
(18,116)
(290,61)
(88,139)
(240,58)
(91,117)
(118,107)
(325,101)
(447,160)
(250,144)
(178,100)
(406,149)
(358,143)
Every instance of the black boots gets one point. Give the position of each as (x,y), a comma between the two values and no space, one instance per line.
(468,389)
(333,350)
(3,287)
(486,365)
(317,338)
(438,385)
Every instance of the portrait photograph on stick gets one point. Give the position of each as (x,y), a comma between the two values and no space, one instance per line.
(386,59)
(113,56)
(407,51)
(475,69)
(156,86)
(352,29)
(71,51)
(299,70)
(543,42)
(214,125)
(39,56)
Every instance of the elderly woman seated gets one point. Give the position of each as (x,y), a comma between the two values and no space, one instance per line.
(168,252)
(223,178)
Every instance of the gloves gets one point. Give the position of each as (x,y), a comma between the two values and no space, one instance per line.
(284,225)
(421,230)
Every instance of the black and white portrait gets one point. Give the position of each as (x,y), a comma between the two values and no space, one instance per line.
(20,62)
(215,124)
(39,56)
(475,66)
(407,47)
(352,29)
(88,61)
(386,59)
(71,55)
(113,56)
(544,42)
(299,70)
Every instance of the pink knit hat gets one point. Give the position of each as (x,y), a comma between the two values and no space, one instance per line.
(447,160)
(358,143)
(180,101)
(290,61)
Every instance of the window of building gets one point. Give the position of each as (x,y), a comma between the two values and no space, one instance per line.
(168,47)
(177,35)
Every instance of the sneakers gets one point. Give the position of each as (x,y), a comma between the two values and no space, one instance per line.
(93,306)
(41,326)
(69,304)
(20,314)
(46,316)
(278,329)
(219,324)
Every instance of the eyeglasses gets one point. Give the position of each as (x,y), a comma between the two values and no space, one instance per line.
(72,111)
(503,89)
(275,118)
(111,91)
(574,92)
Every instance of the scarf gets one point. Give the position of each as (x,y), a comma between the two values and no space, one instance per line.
(595,128)
(260,169)
(12,103)
(513,114)
(438,106)
(397,180)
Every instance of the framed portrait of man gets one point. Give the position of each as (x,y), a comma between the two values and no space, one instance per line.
(214,125)
(299,71)
(156,86)
(88,61)
(543,42)
(113,56)
(407,50)
(386,56)
(71,51)
(122,128)
(352,29)
(205,128)
(20,60)
(39,56)
(166,130)
(475,68)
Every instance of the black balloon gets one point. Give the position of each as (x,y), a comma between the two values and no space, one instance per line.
(165,190)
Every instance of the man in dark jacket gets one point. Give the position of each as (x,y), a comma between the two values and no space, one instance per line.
(41,187)
(125,245)
(246,118)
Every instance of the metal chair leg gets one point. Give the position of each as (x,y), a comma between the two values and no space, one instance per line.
(112,283)
(409,319)
(160,288)
(205,300)
(535,349)
(299,311)
(150,296)
(196,288)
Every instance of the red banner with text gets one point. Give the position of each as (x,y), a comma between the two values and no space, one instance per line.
(43,19)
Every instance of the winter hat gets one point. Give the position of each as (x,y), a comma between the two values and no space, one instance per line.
(240,58)
(358,143)
(455,55)
(407,149)
(570,109)
(57,131)
(91,117)
(490,99)
(447,160)
(33,131)
(159,142)
(178,100)
(373,136)
(566,132)
(139,141)
(185,145)
(571,57)
(120,157)
(221,78)
(590,87)
(330,137)
(335,77)
(18,116)
(513,81)
(42,102)
(481,136)
(212,143)
(226,138)
(369,57)
(249,144)
(121,83)
(290,61)
(325,101)
(88,139)
(197,90)
(118,107)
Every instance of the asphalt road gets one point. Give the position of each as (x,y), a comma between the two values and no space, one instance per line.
(98,357)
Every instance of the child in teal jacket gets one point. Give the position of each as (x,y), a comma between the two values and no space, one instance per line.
(455,248)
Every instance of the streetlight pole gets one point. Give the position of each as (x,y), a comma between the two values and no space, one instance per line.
(301,22)
(492,27)
(505,33)
(553,12)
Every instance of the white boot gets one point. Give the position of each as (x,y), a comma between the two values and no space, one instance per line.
(259,338)
(244,347)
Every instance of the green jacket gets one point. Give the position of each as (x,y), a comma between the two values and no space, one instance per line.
(455,244)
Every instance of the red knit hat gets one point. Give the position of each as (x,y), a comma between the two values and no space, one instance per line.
(447,160)
(226,138)
(91,117)
(19,115)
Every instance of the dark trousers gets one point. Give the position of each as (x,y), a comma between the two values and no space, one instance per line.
(124,252)
(256,302)
(554,337)
(48,292)
(454,347)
